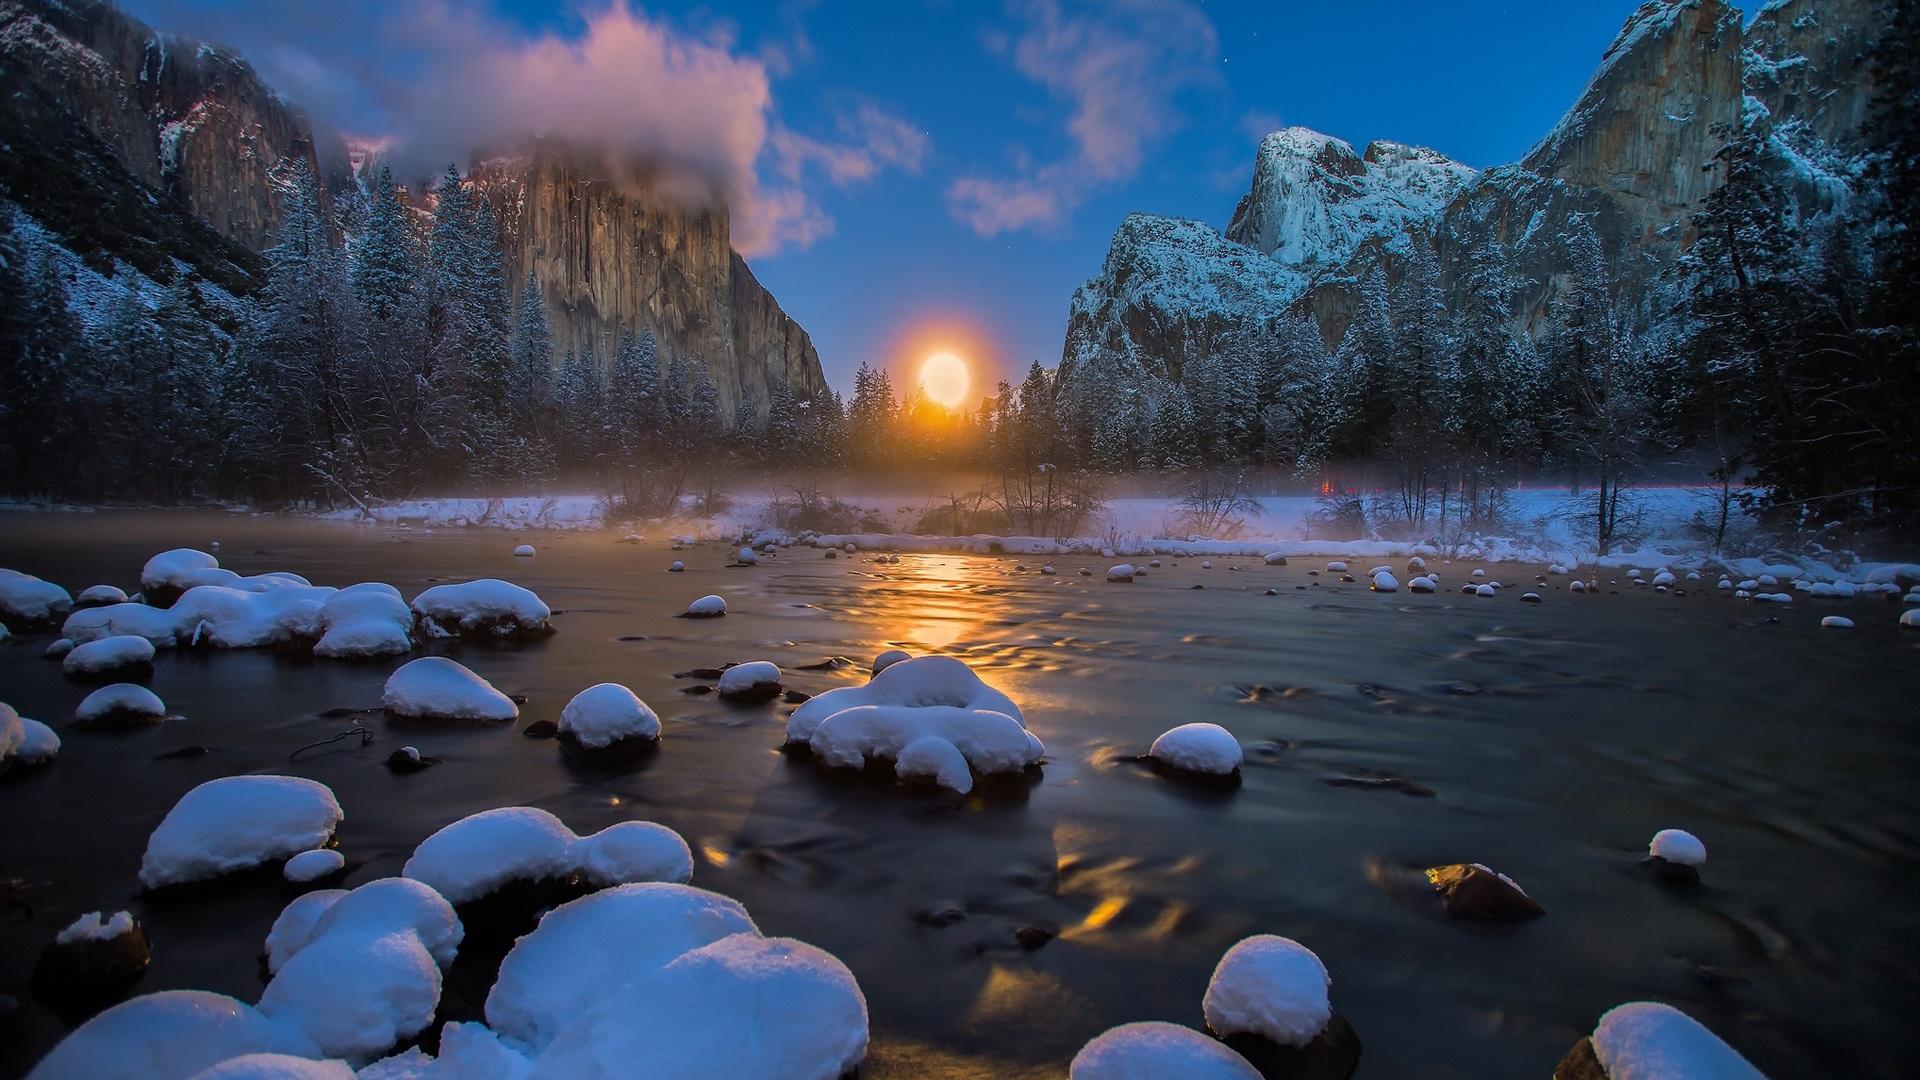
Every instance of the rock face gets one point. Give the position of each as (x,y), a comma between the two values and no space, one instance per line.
(1314,200)
(609,257)
(1630,155)
(186,119)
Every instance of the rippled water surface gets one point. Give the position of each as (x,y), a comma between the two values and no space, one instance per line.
(1556,739)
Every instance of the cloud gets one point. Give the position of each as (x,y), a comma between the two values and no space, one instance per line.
(689,110)
(1120,68)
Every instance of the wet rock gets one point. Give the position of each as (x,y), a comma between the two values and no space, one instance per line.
(1273,592)
(796,697)
(1475,891)
(940,916)
(409,759)
(1032,937)
(93,960)
(541,729)
(1581,1063)
(700,673)
(1334,1054)
(191,750)
(1673,873)
(832,554)
(1381,783)
(831,663)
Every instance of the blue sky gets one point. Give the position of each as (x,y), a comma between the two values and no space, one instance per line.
(930,169)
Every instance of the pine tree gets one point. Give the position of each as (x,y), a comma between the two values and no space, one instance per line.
(384,264)
(1175,445)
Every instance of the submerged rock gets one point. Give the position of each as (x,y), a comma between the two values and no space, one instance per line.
(1475,891)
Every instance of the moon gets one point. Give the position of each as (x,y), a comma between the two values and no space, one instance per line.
(945,379)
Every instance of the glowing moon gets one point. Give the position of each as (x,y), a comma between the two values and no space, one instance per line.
(945,380)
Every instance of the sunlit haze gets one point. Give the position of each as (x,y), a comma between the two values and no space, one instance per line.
(945,379)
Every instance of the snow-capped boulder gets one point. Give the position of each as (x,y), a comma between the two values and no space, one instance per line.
(934,760)
(436,688)
(1120,572)
(1530,598)
(294,925)
(1203,749)
(235,823)
(121,705)
(1723,584)
(1383,581)
(1152,1050)
(1664,577)
(1772,598)
(1048,570)
(1485,590)
(27,603)
(608,715)
(1336,567)
(676,567)
(1677,854)
(924,697)
(1837,622)
(1272,558)
(1423,584)
(171,574)
(746,556)
(1479,573)
(524,551)
(1767,581)
(277,1067)
(486,608)
(365,620)
(889,658)
(92,959)
(754,681)
(480,854)
(1269,986)
(1646,1040)
(1206,564)
(214,616)
(1416,565)
(313,865)
(1910,619)
(1576,585)
(169,1035)
(56,649)
(1476,891)
(122,657)
(707,607)
(100,596)
(696,969)
(24,741)
(368,973)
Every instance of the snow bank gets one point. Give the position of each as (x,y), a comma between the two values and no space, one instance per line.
(170,1035)
(1645,1040)
(1153,1050)
(238,822)
(928,697)
(1198,748)
(103,656)
(487,607)
(436,688)
(564,512)
(121,703)
(1269,986)
(478,854)
(607,713)
(26,601)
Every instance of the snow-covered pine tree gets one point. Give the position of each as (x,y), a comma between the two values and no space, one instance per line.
(385,262)
(1175,444)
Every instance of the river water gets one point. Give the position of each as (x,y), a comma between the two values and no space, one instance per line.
(1555,738)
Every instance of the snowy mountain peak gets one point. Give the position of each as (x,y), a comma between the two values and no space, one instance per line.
(1314,200)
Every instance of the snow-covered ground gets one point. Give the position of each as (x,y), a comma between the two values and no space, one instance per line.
(1543,525)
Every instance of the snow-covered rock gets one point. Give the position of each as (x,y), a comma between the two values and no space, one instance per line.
(746,556)
(170,574)
(25,741)
(365,620)
(313,865)
(889,658)
(1154,1050)
(1477,891)
(1910,619)
(92,959)
(1271,558)
(436,688)
(924,697)
(368,973)
(1576,585)
(1485,590)
(27,602)
(56,649)
(121,704)
(524,551)
(277,1067)
(1198,748)
(1336,567)
(691,964)
(676,567)
(213,616)
(1120,572)
(605,714)
(1423,584)
(485,608)
(1646,1040)
(235,823)
(169,1035)
(478,854)
(709,606)
(1678,846)
(1664,577)
(294,925)
(1837,622)
(100,596)
(1269,986)
(1384,581)
(122,655)
(755,680)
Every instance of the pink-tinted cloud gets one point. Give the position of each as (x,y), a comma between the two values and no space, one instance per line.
(1120,67)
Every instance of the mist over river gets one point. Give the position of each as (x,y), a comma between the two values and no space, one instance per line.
(1554,738)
